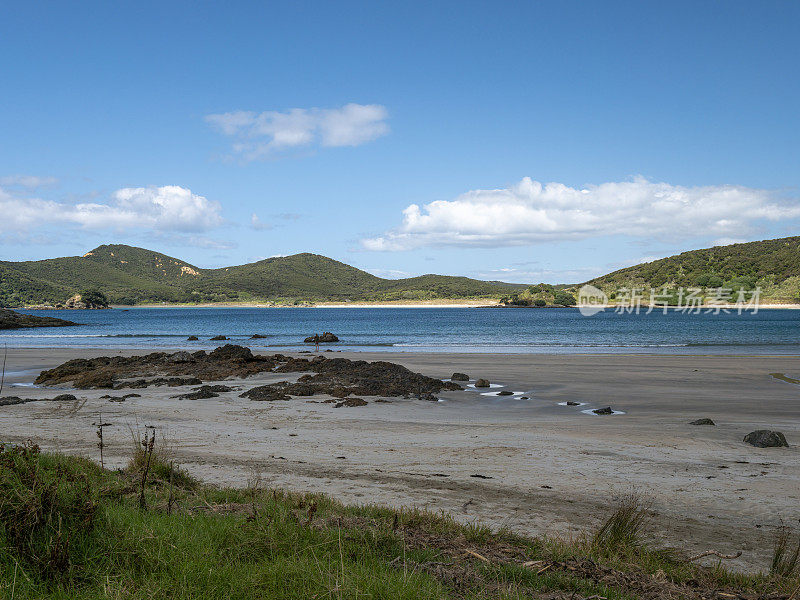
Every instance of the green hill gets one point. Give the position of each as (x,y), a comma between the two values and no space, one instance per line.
(773,265)
(129,275)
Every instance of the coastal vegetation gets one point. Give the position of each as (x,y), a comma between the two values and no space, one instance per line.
(71,529)
(541,295)
(772,265)
(128,275)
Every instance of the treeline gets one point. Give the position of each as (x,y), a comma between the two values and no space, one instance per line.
(540,295)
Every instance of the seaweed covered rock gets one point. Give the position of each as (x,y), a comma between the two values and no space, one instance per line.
(705,421)
(10,319)
(341,377)
(157,368)
(325,338)
(459,377)
(764,438)
(351,403)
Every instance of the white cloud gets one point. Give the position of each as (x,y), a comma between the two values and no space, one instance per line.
(257,224)
(169,208)
(530,212)
(389,273)
(259,135)
(27,181)
(514,275)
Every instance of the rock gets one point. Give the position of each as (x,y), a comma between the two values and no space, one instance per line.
(10,319)
(218,338)
(325,338)
(764,438)
(257,336)
(231,352)
(192,338)
(571,403)
(603,411)
(351,403)
(181,357)
(482,383)
(459,377)
(505,393)
(337,377)
(704,421)
(204,392)
(12,400)
(64,398)
(156,381)
(93,300)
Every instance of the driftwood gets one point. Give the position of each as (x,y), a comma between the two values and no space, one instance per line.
(476,555)
(714,553)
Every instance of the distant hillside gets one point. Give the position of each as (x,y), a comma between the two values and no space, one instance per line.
(774,265)
(129,275)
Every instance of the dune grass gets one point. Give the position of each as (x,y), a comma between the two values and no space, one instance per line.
(70,530)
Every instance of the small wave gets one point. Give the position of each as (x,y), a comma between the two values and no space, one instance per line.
(523,345)
(54,335)
(144,335)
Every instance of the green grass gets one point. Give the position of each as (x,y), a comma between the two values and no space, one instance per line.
(263,543)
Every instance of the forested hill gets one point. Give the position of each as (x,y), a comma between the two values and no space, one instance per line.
(773,265)
(129,275)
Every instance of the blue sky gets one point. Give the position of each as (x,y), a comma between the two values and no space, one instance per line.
(524,141)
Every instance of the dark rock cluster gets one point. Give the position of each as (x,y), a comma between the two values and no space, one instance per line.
(325,338)
(341,377)
(158,368)
(10,319)
(337,377)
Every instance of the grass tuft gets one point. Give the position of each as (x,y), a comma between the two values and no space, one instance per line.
(785,556)
(623,530)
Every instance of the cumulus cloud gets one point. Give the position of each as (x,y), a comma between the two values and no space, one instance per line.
(531,212)
(169,208)
(259,135)
(27,181)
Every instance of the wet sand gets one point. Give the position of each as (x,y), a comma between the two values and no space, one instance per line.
(544,467)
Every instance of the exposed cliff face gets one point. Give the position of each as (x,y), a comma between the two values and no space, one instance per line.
(14,320)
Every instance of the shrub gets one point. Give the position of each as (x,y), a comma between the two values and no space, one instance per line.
(564,298)
(46,509)
(94,298)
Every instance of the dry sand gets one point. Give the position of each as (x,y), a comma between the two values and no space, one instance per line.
(549,468)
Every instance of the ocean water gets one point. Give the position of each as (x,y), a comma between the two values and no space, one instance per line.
(426,330)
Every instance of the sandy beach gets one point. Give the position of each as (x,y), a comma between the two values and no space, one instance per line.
(535,466)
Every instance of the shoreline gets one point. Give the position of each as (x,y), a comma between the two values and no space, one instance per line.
(422,304)
(548,467)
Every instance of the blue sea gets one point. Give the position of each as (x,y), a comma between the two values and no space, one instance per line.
(509,330)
